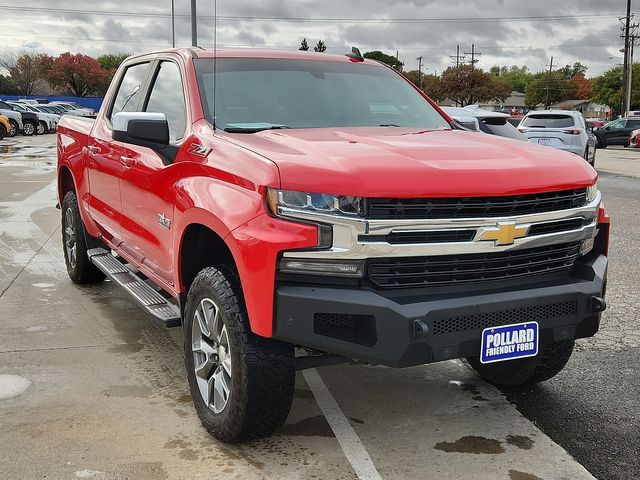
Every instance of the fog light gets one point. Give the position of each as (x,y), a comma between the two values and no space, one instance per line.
(587,246)
(317,267)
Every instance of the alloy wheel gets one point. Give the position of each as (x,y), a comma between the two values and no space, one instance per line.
(70,238)
(211,355)
(28,129)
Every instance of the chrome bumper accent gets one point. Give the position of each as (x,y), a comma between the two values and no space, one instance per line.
(349,234)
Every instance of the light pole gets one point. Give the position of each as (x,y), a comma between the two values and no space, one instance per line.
(173,24)
(194,25)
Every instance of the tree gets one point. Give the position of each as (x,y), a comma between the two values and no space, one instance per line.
(559,87)
(25,69)
(607,88)
(390,60)
(110,62)
(431,85)
(466,85)
(304,45)
(583,87)
(79,74)
(517,77)
(320,47)
(6,86)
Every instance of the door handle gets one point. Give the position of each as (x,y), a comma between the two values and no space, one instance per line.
(93,149)
(127,162)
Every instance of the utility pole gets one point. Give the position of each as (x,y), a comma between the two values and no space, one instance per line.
(473,54)
(626,84)
(419,59)
(632,41)
(546,102)
(457,57)
(194,24)
(173,24)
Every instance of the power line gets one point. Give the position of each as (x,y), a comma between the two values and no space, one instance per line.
(243,18)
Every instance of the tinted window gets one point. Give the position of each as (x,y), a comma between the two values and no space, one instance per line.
(500,127)
(548,121)
(129,90)
(255,93)
(633,123)
(6,106)
(167,97)
(617,125)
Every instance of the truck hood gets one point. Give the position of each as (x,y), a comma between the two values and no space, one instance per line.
(402,162)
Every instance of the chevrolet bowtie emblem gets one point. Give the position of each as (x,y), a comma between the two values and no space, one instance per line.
(504,233)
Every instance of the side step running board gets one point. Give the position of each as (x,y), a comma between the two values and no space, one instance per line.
(159,307)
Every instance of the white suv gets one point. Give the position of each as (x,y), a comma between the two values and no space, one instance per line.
(563,129)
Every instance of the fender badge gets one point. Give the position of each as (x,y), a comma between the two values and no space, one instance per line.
(199,150)
(164,221)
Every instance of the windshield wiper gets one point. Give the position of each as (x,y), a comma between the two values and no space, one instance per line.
(389,125)
(252,127)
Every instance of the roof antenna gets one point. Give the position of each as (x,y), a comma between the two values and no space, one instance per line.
(355,55)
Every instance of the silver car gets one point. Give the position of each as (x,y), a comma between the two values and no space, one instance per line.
(563,129)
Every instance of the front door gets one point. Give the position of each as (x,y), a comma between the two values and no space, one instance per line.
(104,165)
(147,179)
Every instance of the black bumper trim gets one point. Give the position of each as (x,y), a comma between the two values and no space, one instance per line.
(395,323)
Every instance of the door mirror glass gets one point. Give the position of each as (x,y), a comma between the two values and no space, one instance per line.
(146,129)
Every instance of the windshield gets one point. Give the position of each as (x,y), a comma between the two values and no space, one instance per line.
(258,94)
(548,121)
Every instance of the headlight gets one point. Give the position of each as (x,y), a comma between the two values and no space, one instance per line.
(592,191)
(314,202)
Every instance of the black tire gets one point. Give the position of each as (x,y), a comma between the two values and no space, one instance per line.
(601,143)
(14,128)
(262,370)
(80,270)
(3,132)
(29,128)
(527,371)
(42,128)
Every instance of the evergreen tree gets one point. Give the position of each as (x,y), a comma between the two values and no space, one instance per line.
(303,45)
(320,46)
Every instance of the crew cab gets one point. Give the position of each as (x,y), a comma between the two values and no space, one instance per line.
(268,200)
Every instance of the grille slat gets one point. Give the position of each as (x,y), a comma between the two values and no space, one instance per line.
(469,207)
(504,317)
(389,273)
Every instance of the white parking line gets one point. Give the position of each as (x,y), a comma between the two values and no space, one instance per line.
(345,434)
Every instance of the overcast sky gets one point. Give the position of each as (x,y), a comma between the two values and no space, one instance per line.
(427,28)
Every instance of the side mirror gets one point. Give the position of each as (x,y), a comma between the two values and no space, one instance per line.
(146,129)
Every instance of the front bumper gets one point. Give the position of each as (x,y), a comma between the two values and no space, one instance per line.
(369,326)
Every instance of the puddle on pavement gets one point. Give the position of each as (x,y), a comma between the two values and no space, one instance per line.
(516,475)
(472,444)
(307,427)
(12,386)
(521,441)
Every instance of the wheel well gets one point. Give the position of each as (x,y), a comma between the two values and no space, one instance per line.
(201,248)
(65,182)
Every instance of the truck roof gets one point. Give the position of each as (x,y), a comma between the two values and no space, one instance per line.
(256,53)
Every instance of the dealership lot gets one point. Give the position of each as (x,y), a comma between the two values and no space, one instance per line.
(91,388)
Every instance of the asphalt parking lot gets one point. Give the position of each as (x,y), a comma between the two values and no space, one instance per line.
(91,388)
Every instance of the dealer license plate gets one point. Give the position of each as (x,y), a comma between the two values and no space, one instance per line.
(544,141)
(509,342)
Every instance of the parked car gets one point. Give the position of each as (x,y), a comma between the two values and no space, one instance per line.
(46,122)
(594,122)
(514,121)
(562,129)
(487,121)
(29,121)
(74,108)
(15,118)
(634,139)
(353,222)
(5,126)
(616,132)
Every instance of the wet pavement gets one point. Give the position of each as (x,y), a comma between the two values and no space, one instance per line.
(90,387)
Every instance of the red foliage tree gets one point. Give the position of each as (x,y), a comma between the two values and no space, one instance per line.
(583,86)
(79,74)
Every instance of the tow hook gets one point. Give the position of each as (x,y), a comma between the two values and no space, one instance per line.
(420,329)
(598,304)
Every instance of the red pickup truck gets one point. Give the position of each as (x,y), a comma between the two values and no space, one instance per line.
(291,210)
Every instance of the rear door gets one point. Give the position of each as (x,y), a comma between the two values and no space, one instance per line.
(104,165)
(614,132)
(148,179)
